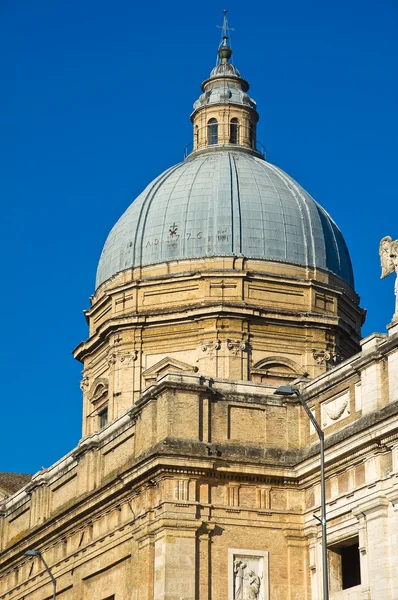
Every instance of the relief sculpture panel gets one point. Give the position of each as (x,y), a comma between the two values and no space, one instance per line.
(247,575)
(335,409)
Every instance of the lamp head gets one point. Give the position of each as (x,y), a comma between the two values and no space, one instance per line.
(286,390)
(32,553)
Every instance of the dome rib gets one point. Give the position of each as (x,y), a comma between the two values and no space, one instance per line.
(282,212)
(234,171)
(185,221)
(301,201)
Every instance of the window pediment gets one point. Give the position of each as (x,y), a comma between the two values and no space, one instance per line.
(274,369)
(98,391)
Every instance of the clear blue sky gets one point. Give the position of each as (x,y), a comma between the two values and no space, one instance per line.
(95,102)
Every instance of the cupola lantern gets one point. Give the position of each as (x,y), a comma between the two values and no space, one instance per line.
(225,115)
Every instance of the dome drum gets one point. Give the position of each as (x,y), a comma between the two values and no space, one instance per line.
(227,134)
(221,315)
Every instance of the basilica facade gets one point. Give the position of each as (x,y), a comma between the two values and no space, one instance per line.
(193,480)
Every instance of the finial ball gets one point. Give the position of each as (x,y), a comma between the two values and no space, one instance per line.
(225,52)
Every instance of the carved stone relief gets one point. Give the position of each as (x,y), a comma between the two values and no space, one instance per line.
(112,357)
(247,575)
(326,357)
(336,409)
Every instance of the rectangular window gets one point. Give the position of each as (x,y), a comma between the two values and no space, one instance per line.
(233,131)
(103,420)
(212,127)
(344,565)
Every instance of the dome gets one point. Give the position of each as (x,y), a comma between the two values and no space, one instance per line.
(225,203)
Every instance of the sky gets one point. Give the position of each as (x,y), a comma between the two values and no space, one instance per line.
(95,103)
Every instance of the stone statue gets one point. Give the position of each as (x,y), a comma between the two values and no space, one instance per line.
(239,568)
(388,252)
(254,586)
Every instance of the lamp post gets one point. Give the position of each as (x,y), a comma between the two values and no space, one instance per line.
(39,555)
(288,390)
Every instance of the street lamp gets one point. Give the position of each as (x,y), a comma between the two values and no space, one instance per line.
(39,555)
(288,390)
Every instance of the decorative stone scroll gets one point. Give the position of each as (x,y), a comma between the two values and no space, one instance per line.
(248,575)
(234,346)
(84,384)
(210,346)
(123,357)
(388,252)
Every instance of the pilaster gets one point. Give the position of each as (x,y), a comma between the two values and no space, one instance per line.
(375,555)
(175,564)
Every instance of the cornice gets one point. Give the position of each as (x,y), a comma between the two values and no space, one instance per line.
(204,310)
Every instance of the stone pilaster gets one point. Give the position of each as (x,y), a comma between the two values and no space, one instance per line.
(375,556)
(393,375)
(204,571)
(175,559)
(371,375)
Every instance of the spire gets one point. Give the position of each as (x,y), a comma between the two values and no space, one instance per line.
(224,50)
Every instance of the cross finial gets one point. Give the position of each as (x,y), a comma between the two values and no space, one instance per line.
(225,29)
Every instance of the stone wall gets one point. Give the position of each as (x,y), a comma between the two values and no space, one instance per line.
(151,506)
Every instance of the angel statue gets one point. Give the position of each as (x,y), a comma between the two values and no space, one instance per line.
(388,251)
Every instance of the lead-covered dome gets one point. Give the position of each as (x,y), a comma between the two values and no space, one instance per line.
(225,203)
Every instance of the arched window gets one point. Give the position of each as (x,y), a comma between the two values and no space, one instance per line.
(196,136)
(212,130)
(234,131)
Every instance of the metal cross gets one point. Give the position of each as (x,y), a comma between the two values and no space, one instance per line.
(225,28)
